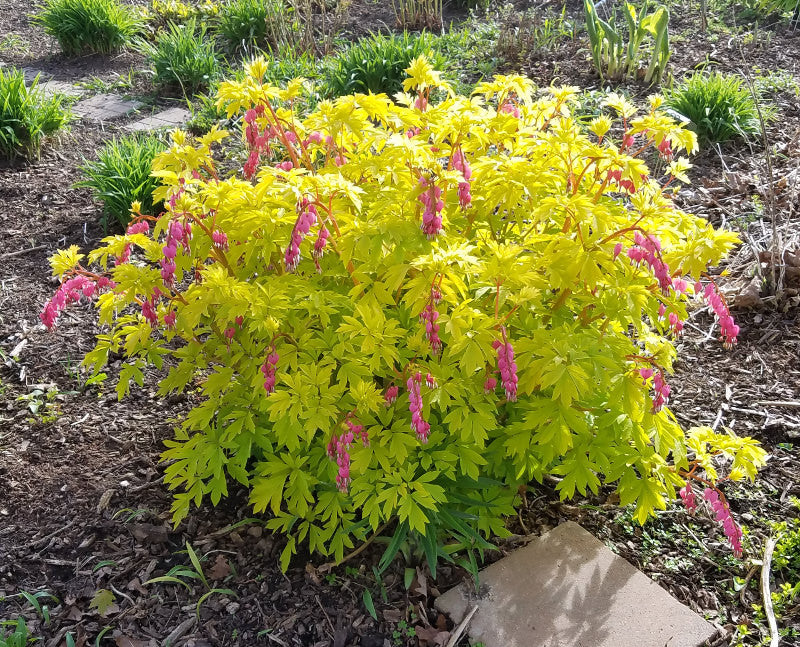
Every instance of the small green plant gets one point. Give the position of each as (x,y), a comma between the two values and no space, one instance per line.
(377,63)
(719,106)
(27,115)
(88,26)
(245,25)
(14,633)
(531,33)
(163,12)
(43,404)
(182,56)
(418,14)
(14,44)
(614,57)
(472,46)
(118,82)
(785,7)
(178,575)
(121,175)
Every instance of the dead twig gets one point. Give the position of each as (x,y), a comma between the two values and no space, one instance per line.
(768,610)
(787,404)
(20,252)
(462,627)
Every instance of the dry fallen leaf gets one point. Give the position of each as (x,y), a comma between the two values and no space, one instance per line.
(221,569)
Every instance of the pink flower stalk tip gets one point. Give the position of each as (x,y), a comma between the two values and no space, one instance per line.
(415,406)
(507,367)
(431,216)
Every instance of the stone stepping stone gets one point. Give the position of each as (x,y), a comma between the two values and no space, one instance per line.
(50,86)
(105,107)
(60,87)
(567,589)
(171,118)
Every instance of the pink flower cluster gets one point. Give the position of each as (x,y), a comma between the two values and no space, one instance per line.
(141,227)
(460,163)
(722,513)
(729,331)
(675,322)
(660,387)
(339,450)
(71,291)
(647,249)
(149,306)
(687,496)
(319,245)
(665,149)
(429,315)
(507,366)
(431,198)
(626,184)
(177,233)
(357,430)
(418,422)
(268,371)
(220,239)
(390,397)
(509,108)
(306,220)
(258,142)
(489,385)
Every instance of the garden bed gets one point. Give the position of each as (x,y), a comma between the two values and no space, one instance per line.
(82,504)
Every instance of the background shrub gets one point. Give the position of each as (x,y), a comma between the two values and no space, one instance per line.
(162,12)
(182,56)
(27,115)
(247,24)
(719,106)
(121,175)
(377,63)
(81,26)
(531,33)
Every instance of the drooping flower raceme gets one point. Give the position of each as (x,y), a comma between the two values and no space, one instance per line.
(687,496)
(460,163)
(729,331)
(305,221)
(722,513)
(431,198)
(70,291)
(647,249)
(507,366)
(418,422)
(268,371)
(429,317)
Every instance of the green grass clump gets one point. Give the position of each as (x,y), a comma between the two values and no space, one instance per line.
(182,56)
(719,106)
(377,63)
(88,26)
(27,115)
(121,175)
(14,633)
(245,25)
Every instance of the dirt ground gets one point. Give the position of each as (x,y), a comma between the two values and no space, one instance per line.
(82,505)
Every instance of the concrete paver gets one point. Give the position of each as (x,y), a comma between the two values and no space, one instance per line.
(171,118)
(567,589)
(105,107)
